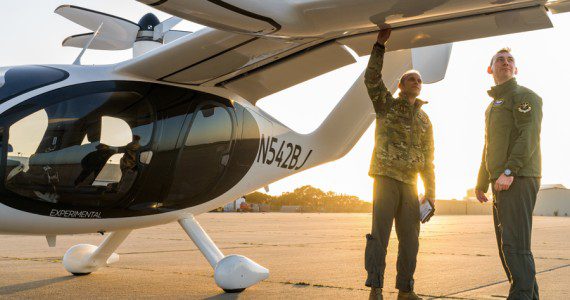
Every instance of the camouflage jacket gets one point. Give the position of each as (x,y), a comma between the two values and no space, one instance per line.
(129,159)
(404,136)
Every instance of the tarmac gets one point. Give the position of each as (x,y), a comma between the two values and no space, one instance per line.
(310,256)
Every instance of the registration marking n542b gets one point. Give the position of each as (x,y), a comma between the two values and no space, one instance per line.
(281,154)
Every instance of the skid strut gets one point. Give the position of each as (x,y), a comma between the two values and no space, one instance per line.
(232,273)
(84,259)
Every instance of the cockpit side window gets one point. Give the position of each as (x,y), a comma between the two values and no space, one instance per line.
(18,80)
(204,156)
(81,151)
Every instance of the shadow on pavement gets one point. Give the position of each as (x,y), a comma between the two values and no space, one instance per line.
(225,296)
(15,288)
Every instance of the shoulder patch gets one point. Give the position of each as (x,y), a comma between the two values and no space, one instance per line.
(498,102)
(524,107)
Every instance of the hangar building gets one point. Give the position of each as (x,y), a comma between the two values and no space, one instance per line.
(553,200)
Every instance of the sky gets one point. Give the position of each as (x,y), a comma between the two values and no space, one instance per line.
(32,34)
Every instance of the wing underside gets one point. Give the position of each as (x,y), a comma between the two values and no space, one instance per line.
(255,66)
(323,18)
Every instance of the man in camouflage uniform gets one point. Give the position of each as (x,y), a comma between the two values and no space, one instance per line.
(404,147)
(512,163)
(129,160)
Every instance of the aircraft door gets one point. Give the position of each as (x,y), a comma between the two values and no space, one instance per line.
(173,107)
(204,155)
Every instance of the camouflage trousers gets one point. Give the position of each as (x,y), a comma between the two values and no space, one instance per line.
(512,215)
(393,200)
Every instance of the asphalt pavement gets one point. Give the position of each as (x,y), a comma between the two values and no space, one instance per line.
(310,256)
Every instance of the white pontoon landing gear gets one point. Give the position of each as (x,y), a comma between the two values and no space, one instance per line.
(83,259)
(233,273)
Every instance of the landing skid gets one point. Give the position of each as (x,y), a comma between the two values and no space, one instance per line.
(232,273)
(83,259)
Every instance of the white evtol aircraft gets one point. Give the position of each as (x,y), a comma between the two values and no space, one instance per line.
(174,132)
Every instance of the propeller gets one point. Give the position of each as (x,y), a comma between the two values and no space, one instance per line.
(117,33)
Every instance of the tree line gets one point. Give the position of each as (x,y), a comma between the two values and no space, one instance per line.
(312,199)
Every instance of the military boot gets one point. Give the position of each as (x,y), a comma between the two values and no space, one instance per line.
(375,294)
(408,296)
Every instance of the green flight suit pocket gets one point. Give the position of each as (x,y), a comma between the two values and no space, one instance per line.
(371,254)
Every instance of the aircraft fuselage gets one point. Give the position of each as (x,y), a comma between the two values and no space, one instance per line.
(99,152)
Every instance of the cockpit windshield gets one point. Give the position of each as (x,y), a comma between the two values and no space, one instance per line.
(83,150)
(18,80)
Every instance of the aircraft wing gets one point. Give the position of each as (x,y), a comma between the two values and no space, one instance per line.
(256,61)
(321,18)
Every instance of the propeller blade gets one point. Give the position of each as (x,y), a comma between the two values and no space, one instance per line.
(114,28)
(164,27)
(172,35)
(100,43)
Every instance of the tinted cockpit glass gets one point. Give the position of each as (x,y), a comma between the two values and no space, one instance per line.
(18,80)
(81,151)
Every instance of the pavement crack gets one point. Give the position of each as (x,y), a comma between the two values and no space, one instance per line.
(552,258)
(318,285)
(489,255)
(36,259)
(499,282)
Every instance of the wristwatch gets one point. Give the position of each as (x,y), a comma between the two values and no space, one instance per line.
(508,172)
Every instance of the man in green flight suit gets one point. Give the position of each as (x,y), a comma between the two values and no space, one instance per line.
(512,164)
(403,148)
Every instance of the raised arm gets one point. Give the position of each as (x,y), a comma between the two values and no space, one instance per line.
(377,90)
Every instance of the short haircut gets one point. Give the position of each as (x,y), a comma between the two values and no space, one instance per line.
(408,73)
(503,50)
